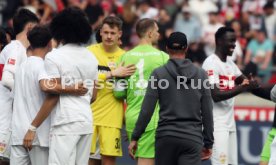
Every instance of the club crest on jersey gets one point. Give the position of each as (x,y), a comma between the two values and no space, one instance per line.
(222,158)
(11,61)
(2,147)
(111,65)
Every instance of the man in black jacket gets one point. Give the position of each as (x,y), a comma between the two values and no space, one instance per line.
(185,101)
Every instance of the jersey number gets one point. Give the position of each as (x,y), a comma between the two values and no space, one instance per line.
(141,83)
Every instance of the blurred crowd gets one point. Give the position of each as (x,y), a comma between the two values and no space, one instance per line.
(254,22)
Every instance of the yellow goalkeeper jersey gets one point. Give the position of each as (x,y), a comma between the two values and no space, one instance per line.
(107,110)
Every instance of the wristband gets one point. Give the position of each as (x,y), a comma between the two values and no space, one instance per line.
(32,128)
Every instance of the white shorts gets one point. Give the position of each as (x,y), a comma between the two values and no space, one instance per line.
(37,155)
(5,148)
(272,160)
(69,149)
(97,154)
(225,149)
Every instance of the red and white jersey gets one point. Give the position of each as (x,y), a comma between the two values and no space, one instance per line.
(224,75)
(11,57)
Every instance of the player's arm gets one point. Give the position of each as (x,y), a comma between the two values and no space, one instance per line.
(262,91)
(207,117)
(10,67)
(146,113)
(94,94)
(221,95)
(273,94)
(45,110)
(8,79)
(120,71)
(54,86)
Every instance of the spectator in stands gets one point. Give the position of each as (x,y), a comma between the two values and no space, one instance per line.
(196,53)
(146,11)
(188,24)
(3,39)
(201,8)
(230,11)
(259,51)
(165,25)
(270,21)
(10,34)
(129,18)
(95,13)
(237,55)
(209,31)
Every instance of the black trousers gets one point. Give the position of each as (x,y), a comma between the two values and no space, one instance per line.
(171,150)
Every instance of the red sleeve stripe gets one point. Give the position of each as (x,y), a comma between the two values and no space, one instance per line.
(1,70)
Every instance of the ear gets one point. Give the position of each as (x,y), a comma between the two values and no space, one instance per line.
(120,33)
(101,32)
(29,26)
(50,45)
(150,34)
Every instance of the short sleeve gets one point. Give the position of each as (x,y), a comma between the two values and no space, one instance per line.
(51,67)
(269,45)
(42,73)
(12,61)
(212,72)
(251,46)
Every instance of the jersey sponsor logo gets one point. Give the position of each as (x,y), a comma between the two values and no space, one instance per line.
(103,68)
(1,70)
(247,113)
(210,72)
(11,61)
(226,82)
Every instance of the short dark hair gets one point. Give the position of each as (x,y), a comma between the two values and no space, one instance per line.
(71,26)
(177,41)
(268,5)
(21,18)
(221,32)
(113,21)
(143,26)
(39,37)
(3,38)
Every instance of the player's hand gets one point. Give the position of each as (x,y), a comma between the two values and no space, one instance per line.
(132,149)
(124,71)
(28,139)
(245,82)
(206,154)
(80,90)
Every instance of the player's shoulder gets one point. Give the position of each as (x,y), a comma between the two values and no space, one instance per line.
(52,55)
(95,47)
(14,45)
(210,61)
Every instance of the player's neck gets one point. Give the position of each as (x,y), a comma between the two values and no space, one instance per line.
(221,56)
(178,56)
(40,52)
(110,49)
(22,38)
(144,41)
